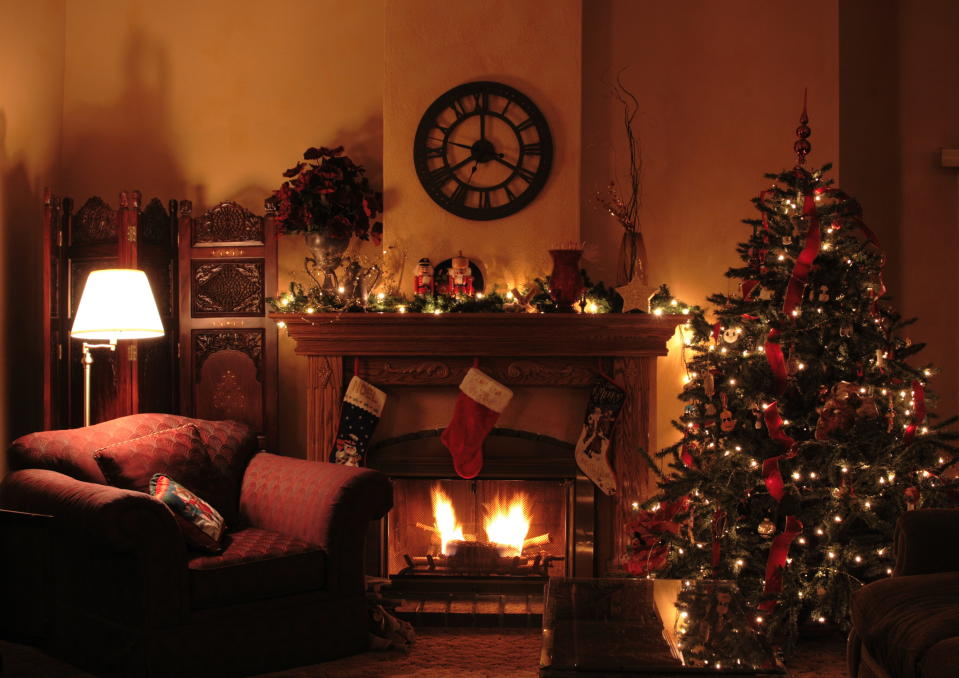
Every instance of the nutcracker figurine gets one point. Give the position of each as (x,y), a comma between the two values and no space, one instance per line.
(460,277)
(423,280)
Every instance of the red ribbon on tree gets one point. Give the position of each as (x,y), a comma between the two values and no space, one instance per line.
(800,274)
(918,411)
(777,560)
(777,363)
(771,473)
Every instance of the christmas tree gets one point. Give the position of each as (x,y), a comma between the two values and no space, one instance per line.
(805,432)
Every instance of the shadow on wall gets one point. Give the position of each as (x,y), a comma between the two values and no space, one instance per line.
(128,143)
(22,290)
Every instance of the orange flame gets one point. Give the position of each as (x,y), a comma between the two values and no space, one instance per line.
(507,524)
(444,518)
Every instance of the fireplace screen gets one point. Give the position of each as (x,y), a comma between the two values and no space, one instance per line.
(511,528)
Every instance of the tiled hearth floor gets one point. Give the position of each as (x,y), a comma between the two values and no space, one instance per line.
(439,653)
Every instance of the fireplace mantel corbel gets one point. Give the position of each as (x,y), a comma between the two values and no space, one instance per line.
(517,349)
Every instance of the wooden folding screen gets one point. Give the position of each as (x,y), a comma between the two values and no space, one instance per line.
(141,376)
(228,347)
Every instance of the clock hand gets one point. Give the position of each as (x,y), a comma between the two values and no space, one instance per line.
(472,171)
(452,143)
(499,158)
(482,124)
(460,163)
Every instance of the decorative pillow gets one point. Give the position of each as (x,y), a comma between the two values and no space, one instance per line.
(200,523)
(178,453)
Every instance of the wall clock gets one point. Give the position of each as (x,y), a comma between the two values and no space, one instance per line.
(483,150)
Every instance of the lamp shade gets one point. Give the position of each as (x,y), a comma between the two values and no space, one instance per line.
(117,303)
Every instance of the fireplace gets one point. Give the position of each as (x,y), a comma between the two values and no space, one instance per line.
(576,530)
(444,533)
(477,528)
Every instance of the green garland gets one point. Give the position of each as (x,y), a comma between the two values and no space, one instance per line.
(597,298)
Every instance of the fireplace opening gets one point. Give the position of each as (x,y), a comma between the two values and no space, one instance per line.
(513,529)
(450,549)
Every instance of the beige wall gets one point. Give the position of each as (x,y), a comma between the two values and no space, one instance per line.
(31,103)
(212,101)
(929,193)
(899,108)
(432,46)
(720,89)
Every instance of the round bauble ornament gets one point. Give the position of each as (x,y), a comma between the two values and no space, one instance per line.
(766,528)
(731,335)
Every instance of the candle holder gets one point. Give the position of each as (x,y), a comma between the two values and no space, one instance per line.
(566,281)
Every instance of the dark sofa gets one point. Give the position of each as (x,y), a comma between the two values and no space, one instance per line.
(907,626)
(129,598)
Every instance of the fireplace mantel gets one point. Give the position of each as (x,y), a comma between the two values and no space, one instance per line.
(627,335)
(518,349)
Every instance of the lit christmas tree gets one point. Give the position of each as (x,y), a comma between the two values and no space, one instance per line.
(804,430)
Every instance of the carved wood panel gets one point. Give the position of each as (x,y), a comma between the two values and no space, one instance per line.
(228,375)
(97,236)
(227,268)
(323,401)
(227,223)
(227,288)
(95,222)
(449,371)
(155,223)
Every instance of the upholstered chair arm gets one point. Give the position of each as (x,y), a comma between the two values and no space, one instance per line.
(100,519)
(927,541)
(329,505)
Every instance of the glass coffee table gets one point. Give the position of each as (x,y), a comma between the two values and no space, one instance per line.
(618,627)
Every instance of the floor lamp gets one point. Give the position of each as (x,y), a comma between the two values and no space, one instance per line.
(116,304)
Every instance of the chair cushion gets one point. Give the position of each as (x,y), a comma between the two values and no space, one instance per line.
(69,451)
(202,526)
(178,453)
(900,619)
(256,564)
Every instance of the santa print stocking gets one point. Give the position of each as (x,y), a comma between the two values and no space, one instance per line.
(362,406)
(592,448)
(480,402)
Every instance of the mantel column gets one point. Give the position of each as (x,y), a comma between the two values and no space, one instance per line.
(323,400)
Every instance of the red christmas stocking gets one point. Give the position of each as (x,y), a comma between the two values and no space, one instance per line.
(480,402)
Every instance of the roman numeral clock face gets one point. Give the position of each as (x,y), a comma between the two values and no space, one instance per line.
(483,150)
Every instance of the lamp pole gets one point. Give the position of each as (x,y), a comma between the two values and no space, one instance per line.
(87,368)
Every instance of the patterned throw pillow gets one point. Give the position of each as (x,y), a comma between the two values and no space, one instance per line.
(202,526)
(177,452)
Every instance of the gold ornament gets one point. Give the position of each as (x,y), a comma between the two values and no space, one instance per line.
(766,528)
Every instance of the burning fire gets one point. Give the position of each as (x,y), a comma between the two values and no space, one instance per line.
(445,519)
(506,522)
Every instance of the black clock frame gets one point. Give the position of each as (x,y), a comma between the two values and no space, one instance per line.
(434,179)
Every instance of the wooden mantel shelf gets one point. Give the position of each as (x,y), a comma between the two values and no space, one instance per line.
(613,335)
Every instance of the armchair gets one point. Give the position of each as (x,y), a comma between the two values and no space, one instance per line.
(907,626)
(129,597)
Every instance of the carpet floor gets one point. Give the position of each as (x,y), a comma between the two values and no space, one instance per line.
(438,653)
